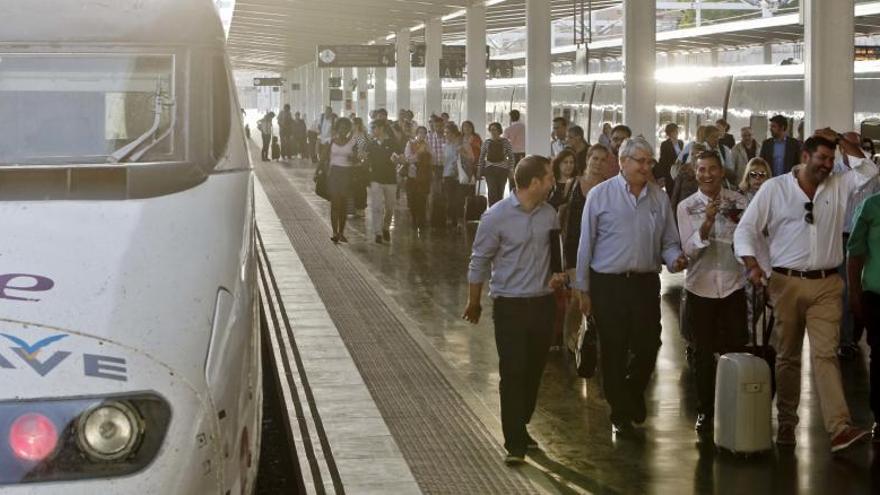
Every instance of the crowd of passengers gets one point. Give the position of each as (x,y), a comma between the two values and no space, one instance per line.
(793,221)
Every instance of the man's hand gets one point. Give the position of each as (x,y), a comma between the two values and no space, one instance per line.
(855,304)
(712,209)
(756,276)
(558,281)
(472,312)
(680,263)
(586,303)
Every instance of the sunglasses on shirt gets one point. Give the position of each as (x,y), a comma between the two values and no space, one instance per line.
(808,206)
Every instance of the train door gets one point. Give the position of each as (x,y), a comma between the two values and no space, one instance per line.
(760,129)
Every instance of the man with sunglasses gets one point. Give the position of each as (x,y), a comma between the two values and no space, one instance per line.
(804,213)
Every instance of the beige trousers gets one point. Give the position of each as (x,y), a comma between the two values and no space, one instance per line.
(814,305)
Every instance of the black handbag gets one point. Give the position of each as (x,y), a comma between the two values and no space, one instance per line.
(587,349)
(321,183)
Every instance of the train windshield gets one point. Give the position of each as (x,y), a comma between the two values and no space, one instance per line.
(65,109)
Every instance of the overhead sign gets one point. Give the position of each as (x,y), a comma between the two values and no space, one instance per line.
(867,52)
(454,54)
(451,69)
(268,81)
(356,55)
(336,95)
(335,82)
(295,86)
(500,69)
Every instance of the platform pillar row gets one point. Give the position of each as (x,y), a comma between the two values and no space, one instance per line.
(538,111)
(639,64)
(433,53)
(828,73)
(475,28)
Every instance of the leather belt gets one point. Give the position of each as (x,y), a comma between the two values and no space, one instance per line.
(811,274)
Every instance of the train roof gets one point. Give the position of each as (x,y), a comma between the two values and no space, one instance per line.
(111,21)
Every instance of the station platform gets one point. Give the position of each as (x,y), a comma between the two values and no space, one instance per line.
(382,323)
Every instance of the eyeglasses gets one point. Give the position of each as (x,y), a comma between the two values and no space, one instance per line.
(809,216)
(756,174)
(643,161)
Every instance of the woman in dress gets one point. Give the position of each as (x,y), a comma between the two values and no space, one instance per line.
(565,168)
(570,220)
(418,177)
(343,157)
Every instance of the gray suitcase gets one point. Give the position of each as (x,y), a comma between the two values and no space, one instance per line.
(742,404)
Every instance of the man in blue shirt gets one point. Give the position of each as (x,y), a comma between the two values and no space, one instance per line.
(627,231)
(780,151)
(513,242)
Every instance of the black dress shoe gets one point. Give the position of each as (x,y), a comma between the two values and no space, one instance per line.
(623,429)
(639,409)
(531,443)
(705,426)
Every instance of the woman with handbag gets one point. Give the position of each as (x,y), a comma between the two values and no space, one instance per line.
(570,213)
(456,153)
(418,177)
(343,157)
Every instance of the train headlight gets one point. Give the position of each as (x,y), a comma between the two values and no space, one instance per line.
(78,438)
(109,431)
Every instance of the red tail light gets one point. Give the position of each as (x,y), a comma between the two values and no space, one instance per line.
(33,437)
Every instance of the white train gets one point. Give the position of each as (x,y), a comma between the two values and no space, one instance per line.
(129,343)
(690,97)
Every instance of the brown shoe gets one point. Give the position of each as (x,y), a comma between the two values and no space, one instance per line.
(848,437)
(785,436)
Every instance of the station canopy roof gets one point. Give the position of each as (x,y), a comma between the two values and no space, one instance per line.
(276,35)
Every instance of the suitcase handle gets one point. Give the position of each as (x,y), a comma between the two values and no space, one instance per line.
(763,311)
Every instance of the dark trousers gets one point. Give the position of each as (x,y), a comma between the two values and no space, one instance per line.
(718,326)
(453,198)
(851,328)
(417,201)
(496,178)
(267,142)
(871,309)
(516,158)
(627,312)
(523,331)
(286,144)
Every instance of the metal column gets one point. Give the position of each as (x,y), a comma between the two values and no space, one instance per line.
(639,60)
(433,53)
(380,95)
(403,72)
(828,74)
(538,111)
(476,66)
(347,102)
(363,103)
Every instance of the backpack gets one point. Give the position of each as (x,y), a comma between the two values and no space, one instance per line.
(495,152)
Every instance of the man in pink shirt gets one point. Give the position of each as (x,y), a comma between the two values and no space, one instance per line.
(516,134)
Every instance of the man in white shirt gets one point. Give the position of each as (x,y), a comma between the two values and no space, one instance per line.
(324,127)
(804,211)
(715,308)
(516,134)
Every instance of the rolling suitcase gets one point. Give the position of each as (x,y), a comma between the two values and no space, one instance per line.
(476,204)
(742,404)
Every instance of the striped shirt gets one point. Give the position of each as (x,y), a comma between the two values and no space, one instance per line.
(508,154)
